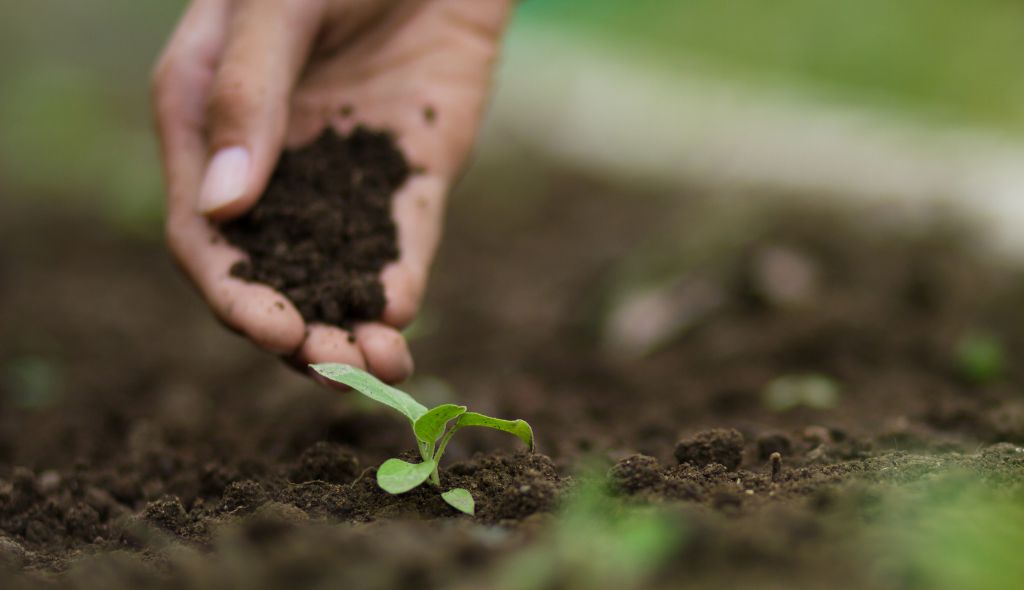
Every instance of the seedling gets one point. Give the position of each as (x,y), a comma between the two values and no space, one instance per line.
(595,542)
(432,428)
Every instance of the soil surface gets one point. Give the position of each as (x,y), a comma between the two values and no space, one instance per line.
(143,446)
(323,230)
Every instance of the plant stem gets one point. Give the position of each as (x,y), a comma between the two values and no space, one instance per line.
(427,452)
(444,443)
(435,477)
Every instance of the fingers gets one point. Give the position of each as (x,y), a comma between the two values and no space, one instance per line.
(181,85)
(418,210)
(265,316)
(267,45)
(329,344)
(374,347)
(385,351)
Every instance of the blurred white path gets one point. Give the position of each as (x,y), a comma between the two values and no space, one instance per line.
(574,100)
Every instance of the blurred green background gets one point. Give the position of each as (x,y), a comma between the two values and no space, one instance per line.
(74,75)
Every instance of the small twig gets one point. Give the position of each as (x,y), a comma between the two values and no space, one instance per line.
(776,459)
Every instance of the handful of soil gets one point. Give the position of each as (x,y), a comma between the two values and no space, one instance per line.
(322,231)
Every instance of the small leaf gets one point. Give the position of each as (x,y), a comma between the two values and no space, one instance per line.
(461,500)
(430,426)
(517,427)
(395,476)
(372,388)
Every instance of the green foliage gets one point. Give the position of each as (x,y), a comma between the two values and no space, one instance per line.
(952,61)
(461,500)
(958,537)
(431,426)
(597,542)
(373,388)
(433,429)
(397,477)
(980,358)
(518,428)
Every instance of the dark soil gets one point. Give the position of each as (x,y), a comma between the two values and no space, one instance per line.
(323,230)
(143,446)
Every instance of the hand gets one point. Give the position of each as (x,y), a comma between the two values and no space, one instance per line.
(241,79)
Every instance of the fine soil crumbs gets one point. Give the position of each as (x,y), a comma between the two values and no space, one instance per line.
(323,230)
(190,461)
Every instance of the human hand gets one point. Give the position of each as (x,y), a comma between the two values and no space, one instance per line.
(241,79)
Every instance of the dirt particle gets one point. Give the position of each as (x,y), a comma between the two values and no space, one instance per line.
(429,114)
(507,486)
(326,461)
(726,500)
(82,521)
(635,473)
(167,513)
(242,497)
(215,478)
(48,482)
(271,521)
(12,554)
(346,110)
(524,497)
(103,503)
(720,445)
(817,435)
(1004,449)
(322,230)
(23,490)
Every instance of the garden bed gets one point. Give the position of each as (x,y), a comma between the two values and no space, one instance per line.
(143,446)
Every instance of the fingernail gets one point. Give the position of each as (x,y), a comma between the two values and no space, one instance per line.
(225,179)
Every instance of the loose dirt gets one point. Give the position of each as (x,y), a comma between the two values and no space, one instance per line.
(323,230)
(143,446)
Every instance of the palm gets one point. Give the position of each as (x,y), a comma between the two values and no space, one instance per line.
(418,68)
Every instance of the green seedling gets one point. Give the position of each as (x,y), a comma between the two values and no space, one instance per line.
(980,358)
(433,429)
(596,542)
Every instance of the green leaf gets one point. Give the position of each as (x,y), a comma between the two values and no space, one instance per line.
(372,388)
(517,427)
(430,426)
(395,476)
(980,358)
(461,500)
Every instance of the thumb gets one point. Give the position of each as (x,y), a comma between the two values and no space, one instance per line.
(247,113)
